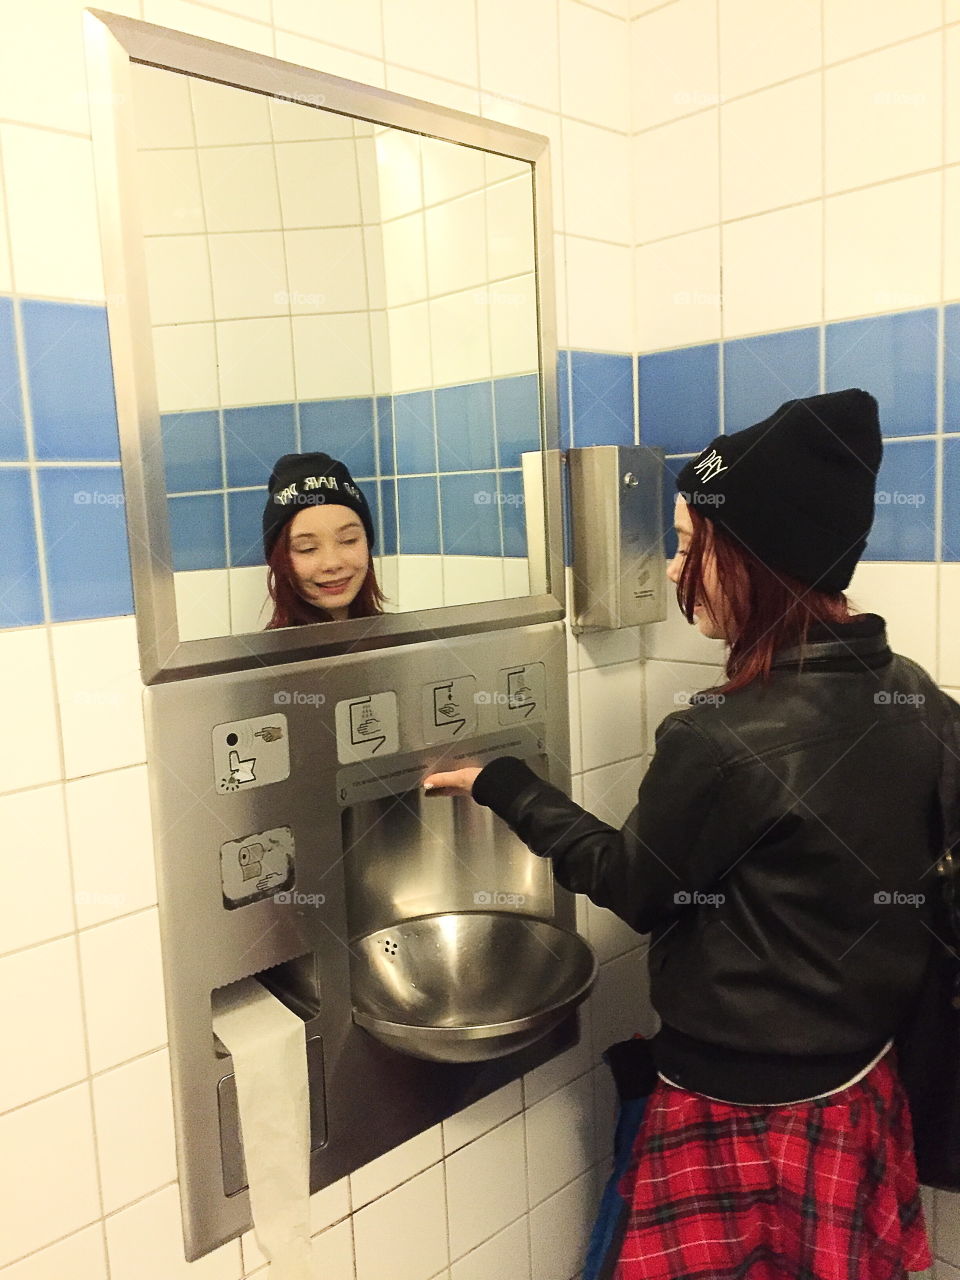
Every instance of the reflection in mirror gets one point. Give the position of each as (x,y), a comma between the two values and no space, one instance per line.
(320,284)
(318,536)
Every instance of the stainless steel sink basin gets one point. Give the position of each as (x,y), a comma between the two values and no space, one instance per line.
(469,985)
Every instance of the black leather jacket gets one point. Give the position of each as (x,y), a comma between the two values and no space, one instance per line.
(780,856)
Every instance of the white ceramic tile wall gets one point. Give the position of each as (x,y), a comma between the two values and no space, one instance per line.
(868,263)
(51,212)
(479,1118)
(48,1173)
(38,904)
(884,114)
(845,33)
(677,177)
(952,96)
(660,107)
(486,1188)
(598,205)
(600,299)
(678,290)
(760,46)
(753,248)
(951,215)
(560,1138)
(674,62)
(771,146)
(507,1254)
(560,1228)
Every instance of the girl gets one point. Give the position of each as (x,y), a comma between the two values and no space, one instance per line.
(317,539)
(777,857)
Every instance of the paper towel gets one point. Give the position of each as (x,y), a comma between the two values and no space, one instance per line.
(268,1046)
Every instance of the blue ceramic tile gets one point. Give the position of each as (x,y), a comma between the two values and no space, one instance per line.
(13,444)
(759,374)
(904,521)
(414,433)
(254,437)
(418,516)
(344,429)
(387,540)
(385,435)
(21,604)
(563,400)
(198,536)
(245,509)
(517,405)
(70,382)
(673,467)
(951,368)
(471,518)
(465,427)
(512,513)
(191,451)
(950,549)
(601,397)
(85,536)
(680,398)
(895,359)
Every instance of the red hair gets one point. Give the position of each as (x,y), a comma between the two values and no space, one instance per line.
(289,607)
(763,609)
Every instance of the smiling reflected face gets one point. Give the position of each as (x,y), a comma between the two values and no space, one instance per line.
(706,613)
(329,556)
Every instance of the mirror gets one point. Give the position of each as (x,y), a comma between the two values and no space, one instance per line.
(297,264)
(318,282)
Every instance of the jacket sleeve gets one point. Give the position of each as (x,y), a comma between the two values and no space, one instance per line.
(674,843)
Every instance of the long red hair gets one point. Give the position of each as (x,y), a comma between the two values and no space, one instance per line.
(289,607)
(763,608)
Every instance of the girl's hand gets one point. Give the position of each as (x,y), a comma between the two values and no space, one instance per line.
(459,782)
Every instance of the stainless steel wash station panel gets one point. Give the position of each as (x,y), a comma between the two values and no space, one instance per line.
(367,1097)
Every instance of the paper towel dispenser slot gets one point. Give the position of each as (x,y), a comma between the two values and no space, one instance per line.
(231,1146)
(296,984)
(619,566)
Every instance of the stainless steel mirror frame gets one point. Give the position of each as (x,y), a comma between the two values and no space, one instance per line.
(112,43)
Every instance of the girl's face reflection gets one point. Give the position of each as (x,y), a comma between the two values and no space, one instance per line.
(329,556)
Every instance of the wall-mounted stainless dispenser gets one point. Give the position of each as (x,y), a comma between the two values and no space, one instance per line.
(619,569)
(427,951)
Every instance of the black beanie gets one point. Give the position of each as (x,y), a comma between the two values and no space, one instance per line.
(306,480)
(796,489)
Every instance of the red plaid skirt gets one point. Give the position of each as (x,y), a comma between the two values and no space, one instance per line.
(823,1190)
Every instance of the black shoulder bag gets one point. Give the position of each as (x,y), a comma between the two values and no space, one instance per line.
(928,1041)
(928,1046)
